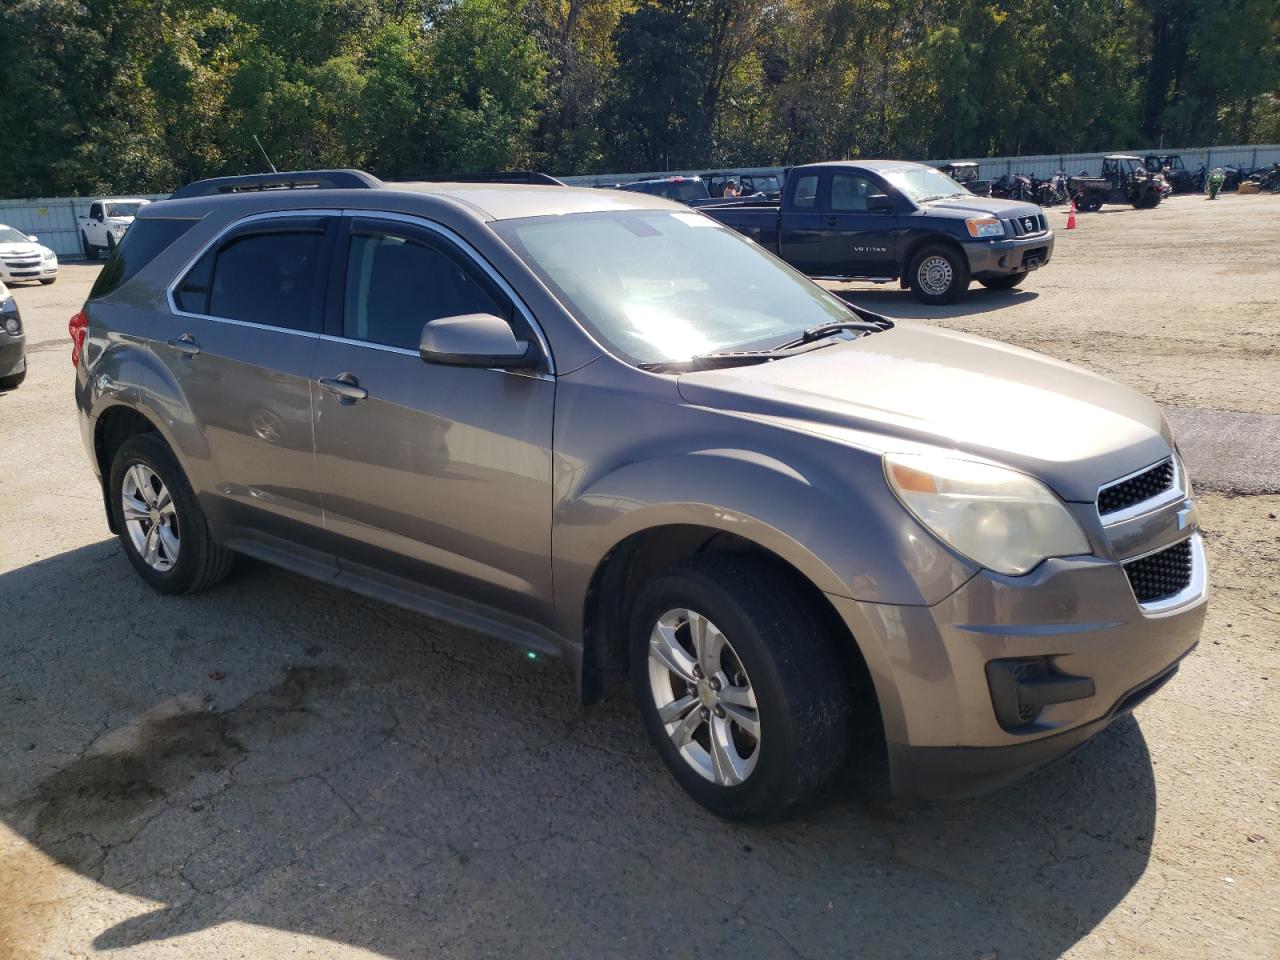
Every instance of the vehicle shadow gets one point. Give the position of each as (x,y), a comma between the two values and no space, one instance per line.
(895,303)
(284,754)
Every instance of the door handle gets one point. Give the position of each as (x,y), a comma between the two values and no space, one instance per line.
(345,387)
(185,345)
(832,221)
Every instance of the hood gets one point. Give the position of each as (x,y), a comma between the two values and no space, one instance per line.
(972,205)
(23,248)
(1071,428)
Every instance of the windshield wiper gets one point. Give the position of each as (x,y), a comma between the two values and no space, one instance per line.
(811,339)
(941,196)
(730,358)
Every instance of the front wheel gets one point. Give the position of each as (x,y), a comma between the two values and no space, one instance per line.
(46,281)
(162,529)
(1007,282)
(13,381)
(739,684)
(90,251)
(938,274)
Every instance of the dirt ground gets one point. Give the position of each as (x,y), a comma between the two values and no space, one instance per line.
(277,769)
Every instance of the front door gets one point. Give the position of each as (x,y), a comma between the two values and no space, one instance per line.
(239,348)
(858,242)
(439,475)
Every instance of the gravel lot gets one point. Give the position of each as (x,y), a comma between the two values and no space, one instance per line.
(280,769)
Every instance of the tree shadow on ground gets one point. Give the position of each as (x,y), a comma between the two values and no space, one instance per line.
(283,753)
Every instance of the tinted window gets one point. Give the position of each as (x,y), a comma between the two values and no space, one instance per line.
(849,193)
(192,294)
(95,210)
(396,283)
(266,278)
(141,245)
(806,195)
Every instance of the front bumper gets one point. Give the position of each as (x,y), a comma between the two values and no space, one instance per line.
(937,700)
(27,269)
(12,354)
(1014,255)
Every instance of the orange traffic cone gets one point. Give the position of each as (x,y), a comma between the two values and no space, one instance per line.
(1071,216)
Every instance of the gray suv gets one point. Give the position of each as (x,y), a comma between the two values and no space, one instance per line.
(602,426)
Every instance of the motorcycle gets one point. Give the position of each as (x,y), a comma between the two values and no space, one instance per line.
(1052,191)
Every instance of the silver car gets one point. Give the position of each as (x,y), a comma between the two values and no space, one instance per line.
(601,426)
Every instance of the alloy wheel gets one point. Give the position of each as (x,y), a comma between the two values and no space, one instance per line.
(150,517)
(704,697)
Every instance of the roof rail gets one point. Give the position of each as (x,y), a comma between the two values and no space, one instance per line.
(514,176)
(298,180)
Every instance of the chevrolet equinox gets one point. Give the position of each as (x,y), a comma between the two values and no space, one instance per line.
(602,426)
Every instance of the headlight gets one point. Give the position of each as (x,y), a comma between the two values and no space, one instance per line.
(984,227)
(48,254)
(1000,519)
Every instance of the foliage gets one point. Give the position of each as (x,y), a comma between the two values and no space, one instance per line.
(141,95)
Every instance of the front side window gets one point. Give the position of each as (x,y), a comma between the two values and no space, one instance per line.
(396,283)
(263,275)
(95,211)
(661,286)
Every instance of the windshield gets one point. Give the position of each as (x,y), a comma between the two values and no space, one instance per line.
(124,209)
(922,183)
(10,235)
(659,286)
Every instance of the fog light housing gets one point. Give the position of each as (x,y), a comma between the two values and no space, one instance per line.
(1021,689)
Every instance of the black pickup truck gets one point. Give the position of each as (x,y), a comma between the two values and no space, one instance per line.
(884,220)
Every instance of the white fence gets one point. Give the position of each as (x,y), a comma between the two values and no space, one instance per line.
(53,219)
(1041,165)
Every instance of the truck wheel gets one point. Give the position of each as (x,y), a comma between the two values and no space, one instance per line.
(90,251)
(163,531)
(1092,205)
(740,685)
(1003,283)
(938,274)
(111,244)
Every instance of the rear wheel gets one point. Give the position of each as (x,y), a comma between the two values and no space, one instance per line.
(739,684)
(938,274)
(161,527)
(1007,282)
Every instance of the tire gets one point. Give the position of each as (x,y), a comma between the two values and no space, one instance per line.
(90,251)
(13,381)
(1091,205)
(783,669)
(44,282)
(189,560)
(1007,282)
(938,274)
(111,245)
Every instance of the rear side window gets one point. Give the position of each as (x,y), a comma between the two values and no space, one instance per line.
(265,276)
(142,244)
(397,283)
(806,195)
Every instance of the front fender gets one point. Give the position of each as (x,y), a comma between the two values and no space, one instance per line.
(846,533)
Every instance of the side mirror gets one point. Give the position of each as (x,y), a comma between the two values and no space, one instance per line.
(32,237)
(475,340)
(879,203)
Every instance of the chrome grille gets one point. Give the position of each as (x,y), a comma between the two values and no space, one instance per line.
(1161,575)
(1026,226)
(1133,490)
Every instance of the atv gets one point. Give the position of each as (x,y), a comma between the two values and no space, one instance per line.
(1124,179)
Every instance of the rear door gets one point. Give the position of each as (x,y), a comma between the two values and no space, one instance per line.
(857,242)
(800,224)
(439,475)
(239,346)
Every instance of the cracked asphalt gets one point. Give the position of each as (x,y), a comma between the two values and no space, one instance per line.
(279,769)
